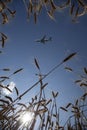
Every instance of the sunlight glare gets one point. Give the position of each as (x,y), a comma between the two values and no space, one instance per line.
(27,117)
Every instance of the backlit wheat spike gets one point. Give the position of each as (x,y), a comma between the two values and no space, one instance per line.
(85,70)
(78,81)
(8,89)
(53,5)
(4,77)
(69,57)
(3,35)
(6,69)
(77,12)
(51,15)
(72,8)
(11,12)
(68,105)
(8,97)
(81,3)
(42,87)
(18,71)
(21,104)
(64,109)
(68,68)
(35,17)
(3,42)
(36,63)
(17,92)
(4,101)
(83,84)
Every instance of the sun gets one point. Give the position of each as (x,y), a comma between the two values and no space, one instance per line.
(27,118)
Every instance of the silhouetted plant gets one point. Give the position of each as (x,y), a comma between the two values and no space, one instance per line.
(40,108)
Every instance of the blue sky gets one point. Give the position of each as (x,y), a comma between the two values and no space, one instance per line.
(21,49)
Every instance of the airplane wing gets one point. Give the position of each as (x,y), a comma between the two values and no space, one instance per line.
(43,37)
(37,40)
(42,40)
(47,40)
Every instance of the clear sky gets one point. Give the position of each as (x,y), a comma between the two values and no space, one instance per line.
(21,49)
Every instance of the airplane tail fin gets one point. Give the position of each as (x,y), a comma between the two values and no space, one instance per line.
(50,39)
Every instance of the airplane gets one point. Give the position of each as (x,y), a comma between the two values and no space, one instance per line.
(44,40)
